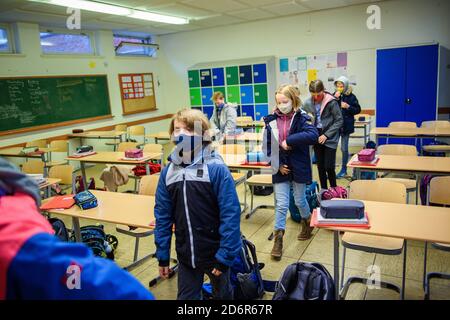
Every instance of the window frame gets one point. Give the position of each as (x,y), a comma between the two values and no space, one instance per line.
(89,34)
(149,43)
(9,37)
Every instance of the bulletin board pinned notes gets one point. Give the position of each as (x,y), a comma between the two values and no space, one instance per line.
(137,92)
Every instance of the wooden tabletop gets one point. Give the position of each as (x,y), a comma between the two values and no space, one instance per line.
(412,132)
(406,221)
(235,161)
(160,135)
(114,158)
(49,182)
(408,164)
(97,134)
(250,124)
(16,152)
(246,136)
(114,207)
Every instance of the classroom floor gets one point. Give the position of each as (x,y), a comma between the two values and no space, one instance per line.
(318,249)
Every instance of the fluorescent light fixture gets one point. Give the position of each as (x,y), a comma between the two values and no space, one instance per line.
(115,10)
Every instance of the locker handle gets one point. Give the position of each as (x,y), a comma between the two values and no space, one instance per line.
(408,101)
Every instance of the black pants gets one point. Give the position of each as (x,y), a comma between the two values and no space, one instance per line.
(190,282)
(326,163)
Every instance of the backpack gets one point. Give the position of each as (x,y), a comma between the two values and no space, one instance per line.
(335,192)
(305,281)
(102,244)
(245,275)
(311,197)
(140,170)
(79,186)
(60,229)
(262,191)
(435,154)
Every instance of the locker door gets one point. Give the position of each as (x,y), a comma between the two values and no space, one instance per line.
(248,111)
(245,74)
(259,73)
(261,93)
(194,79)
(206,96)
(421,83)
(247,94)
(233,94)
(218,77)
(206,78)
(262,110)
(196,97)
(208,111)
(232,75)
(220,89)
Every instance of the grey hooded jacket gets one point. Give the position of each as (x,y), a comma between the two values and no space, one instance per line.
(224,122)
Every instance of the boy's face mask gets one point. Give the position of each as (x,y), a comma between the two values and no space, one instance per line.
(340,89)
(187,146)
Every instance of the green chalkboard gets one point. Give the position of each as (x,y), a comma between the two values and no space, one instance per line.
(34,103)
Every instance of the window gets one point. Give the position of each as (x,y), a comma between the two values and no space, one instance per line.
(134,46)
(66,43)
(5,40)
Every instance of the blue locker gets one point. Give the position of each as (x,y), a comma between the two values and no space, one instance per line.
(247,94)
(245,74)
(208,111)
(248,111)
(218,77)
(261,110)
(206,78)
(260,73)
(207,95)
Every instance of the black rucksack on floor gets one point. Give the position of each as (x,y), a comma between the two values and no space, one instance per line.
(305,281)
(102,244)
(60,229)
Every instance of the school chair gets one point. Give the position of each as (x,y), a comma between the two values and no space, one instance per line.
(439,124)
(231,149)
(124,146)
(33,167)
(147,186)
(402,125)
(58,146)
(37,143)
(384,191)
(148,148)
(400,150)
(66,174)
(240,178)
(137,131)
(115,143)
(257,180)
(242,121)
(437,194)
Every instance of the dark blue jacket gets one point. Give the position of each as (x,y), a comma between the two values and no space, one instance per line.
(201,200)
(302,134)
(349,114)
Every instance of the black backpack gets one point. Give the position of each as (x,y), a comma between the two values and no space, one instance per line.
(305,281)
(102,244)
(60,229)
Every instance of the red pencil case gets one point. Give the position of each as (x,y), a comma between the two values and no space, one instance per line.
(366,155)
(134,153)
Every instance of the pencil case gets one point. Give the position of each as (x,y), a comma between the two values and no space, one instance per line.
(83,149)
(134,153)
(256,157)
(85,200)
(342,209)
(366,155)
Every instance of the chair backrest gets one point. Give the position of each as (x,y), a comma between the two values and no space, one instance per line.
(438,192)
(231,149)
(436,124)
(148,184)
(59,145)
(397,150)
(378,190)
(63,172)
(124,146)
(37,143)
(402,124)
(136,131)
(153,148)
(120,127)
(33,166)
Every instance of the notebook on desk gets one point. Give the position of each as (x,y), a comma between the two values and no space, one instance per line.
(59,202)
(317,220)
(356,162)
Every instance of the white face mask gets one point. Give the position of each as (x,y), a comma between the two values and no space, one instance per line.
(285,108)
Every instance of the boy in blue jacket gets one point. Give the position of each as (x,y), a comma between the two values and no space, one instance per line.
(34,264)
(196,192)
(287,136)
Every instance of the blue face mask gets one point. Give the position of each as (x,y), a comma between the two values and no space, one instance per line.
(186,145)
(220,106)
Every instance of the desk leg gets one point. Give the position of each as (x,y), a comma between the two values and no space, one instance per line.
(83,174)
(336,264)
(418,178)
(76,228)
(365,135)
(45,165)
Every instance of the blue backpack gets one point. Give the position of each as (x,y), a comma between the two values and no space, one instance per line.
(245,274)
(311,197)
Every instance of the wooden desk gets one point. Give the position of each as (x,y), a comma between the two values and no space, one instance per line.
(111,157)
(15,152)
(234,161)
(399,221)
(254,124)
(417,133)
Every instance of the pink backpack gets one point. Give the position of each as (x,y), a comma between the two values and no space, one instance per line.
(335,192)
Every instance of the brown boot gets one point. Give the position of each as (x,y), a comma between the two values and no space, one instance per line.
(277,250)
(306,231)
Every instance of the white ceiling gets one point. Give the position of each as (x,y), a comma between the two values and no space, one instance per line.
(202,13)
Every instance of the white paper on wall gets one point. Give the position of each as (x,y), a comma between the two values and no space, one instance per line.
(137,78)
